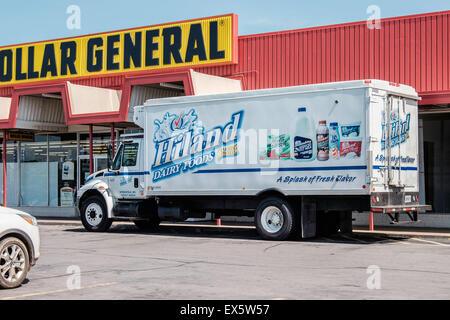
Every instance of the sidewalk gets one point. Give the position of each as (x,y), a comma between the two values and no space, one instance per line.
(400,231)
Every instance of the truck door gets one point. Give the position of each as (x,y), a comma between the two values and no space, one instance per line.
(402,149)
(394,145)
(126,177)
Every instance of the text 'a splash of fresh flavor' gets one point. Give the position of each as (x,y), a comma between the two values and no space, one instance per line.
(182,143)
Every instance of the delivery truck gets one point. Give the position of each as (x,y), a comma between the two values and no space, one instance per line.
(300,160)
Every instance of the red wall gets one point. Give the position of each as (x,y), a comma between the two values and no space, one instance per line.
(412,50)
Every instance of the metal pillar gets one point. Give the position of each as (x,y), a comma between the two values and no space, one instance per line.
(91,151)
(4,168)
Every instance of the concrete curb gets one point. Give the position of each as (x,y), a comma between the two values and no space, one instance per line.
(402,233)
(59,222)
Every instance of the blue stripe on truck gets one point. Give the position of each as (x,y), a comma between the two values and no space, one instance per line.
(143,173)
(282,169)
(396,168)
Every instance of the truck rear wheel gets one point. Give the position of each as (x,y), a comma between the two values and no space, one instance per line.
(275,219)
(94,215)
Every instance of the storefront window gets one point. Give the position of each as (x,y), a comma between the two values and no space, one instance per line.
(34,177)
(51,168)
(62,169)
(100,144)
(12,173)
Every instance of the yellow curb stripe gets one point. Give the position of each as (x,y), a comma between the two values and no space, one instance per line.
(27,295)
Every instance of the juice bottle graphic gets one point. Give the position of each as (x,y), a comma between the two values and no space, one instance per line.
(334,140)
(303,145)
(323,143)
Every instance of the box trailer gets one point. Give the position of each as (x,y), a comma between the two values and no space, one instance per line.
(299,160)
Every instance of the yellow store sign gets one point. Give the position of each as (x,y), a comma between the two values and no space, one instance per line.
(190,43)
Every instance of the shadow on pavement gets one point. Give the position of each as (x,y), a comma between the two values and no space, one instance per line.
(244,234)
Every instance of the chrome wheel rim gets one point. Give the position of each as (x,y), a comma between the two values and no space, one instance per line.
(94,214)
(272,219)
(12,263)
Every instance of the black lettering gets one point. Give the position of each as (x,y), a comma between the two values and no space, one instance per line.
(214,42)
(111,52)
(32,74)
(49,61)
(150,47)
(68,57)
(196,44)
(132,51)
(6,57)
(19,74)
(98,64)
(172,49)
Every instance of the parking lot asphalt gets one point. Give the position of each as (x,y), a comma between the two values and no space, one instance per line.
(198,262)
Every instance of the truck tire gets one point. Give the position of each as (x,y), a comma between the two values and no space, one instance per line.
(14,263)
(94,215)
(275,219)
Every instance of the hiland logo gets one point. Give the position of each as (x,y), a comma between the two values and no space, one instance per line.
(399,131)
(182,143)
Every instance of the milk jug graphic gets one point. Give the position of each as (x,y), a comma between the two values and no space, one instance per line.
(334,140)
(304,147)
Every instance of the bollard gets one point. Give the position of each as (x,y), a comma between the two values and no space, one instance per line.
(371,228)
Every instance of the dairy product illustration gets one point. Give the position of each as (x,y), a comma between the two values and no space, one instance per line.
(278,148)
(304,147)
(351,130)
(334,140)
(350,149)
(323,144)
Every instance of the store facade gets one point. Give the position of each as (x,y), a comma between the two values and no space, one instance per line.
(92,99)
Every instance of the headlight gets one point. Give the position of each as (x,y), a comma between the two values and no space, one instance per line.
(30,219)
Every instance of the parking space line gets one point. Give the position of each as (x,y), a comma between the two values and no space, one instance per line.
(431,242)
(27,295)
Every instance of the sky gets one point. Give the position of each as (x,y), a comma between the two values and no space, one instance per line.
(35,20)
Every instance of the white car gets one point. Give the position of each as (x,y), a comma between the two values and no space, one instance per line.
(19,246)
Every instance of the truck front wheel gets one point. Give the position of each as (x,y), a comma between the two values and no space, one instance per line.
(275,219)
(94,215)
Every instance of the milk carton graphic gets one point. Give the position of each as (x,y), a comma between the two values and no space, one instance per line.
(304,147)
(323,141)
(334,140)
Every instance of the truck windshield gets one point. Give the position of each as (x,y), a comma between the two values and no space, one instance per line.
(117,159)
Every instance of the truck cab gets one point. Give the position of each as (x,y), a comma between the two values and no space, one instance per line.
(115,193)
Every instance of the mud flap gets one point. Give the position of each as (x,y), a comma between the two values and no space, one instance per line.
(308,218)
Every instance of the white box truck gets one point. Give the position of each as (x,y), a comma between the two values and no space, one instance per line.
(299,160)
